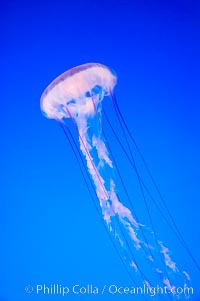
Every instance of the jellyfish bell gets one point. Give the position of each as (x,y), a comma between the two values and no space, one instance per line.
(77,91)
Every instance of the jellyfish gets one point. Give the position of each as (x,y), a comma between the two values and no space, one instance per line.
(77,96)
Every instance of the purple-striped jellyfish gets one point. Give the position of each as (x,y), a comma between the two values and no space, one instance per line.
(77,95)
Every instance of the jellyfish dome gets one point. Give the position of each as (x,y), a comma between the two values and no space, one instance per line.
(76,91)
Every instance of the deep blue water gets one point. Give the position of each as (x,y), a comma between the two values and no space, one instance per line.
(50,231)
